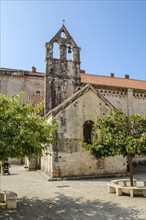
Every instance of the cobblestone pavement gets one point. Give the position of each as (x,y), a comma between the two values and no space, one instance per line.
(39,199)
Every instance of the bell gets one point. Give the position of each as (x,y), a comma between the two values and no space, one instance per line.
(69,49)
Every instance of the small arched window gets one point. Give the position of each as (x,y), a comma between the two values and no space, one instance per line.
(63,34)
(69,52)
(38,93)
(88,132)
(56,50)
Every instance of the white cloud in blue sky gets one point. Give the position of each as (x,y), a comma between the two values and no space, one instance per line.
(111,34)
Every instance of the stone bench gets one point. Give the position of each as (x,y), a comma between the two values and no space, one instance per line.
(11,199)
(2,197)
(2,200)
(123,187)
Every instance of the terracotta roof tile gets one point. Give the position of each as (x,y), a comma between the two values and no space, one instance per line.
(112,81)
(36,74)
(97,79)
(35,99)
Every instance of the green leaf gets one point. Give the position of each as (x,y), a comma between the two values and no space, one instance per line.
(23,131)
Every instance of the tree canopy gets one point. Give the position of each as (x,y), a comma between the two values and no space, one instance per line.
(23,130)
(118,134)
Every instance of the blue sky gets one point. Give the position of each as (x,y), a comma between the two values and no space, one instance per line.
(111,34)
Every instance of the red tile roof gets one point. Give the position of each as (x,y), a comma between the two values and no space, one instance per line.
(96,79)
(35,74)
(35,99)
(112,81)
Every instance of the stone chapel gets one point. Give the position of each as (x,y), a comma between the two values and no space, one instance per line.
(75,99)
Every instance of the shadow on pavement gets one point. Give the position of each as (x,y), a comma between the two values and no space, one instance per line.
(66,208)
(11,174)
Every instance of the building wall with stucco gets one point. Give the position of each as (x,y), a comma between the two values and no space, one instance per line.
(67,157)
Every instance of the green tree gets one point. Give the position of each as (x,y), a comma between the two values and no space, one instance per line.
(119,134)
(23,131)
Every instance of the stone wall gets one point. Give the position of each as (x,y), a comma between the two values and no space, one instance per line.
(69,158)
(33,87)
(130,101)
(62,74)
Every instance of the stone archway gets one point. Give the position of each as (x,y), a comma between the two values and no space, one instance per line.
(88,132)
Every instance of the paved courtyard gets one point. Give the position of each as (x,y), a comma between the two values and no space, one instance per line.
(39,199)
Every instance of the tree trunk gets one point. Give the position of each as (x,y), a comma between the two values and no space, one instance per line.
(130,169)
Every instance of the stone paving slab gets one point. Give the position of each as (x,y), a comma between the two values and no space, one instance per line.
(39,199)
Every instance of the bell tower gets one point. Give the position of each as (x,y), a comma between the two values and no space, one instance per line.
(63,72)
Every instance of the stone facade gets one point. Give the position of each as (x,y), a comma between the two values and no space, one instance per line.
(62,75)
(70,98)
(68,158)
(130,101)
(31,84)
